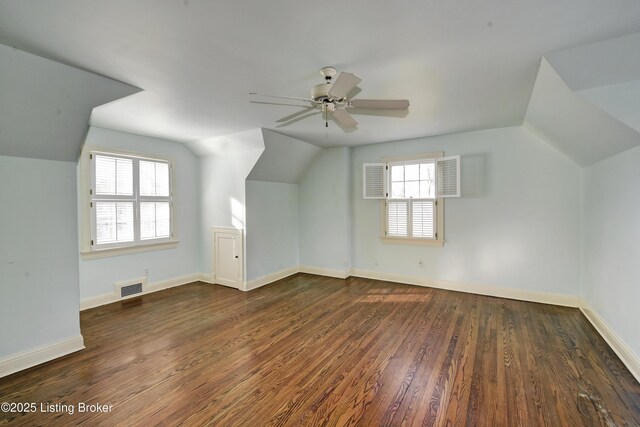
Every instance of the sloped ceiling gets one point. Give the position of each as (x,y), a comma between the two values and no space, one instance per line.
(284,159)
(462,65)
(583,102)
(45,106)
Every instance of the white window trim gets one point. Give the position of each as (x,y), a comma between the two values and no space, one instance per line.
(439,211)
(87,227)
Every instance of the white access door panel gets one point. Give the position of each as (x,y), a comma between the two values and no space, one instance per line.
(227,254)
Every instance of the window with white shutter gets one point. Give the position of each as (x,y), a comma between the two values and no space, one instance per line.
(131,201)
(413,190)
(374,183)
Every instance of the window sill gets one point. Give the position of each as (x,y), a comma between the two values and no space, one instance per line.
(104,253)
(405,241)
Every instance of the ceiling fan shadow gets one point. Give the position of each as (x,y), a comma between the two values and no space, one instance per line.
(294,115)
(297,119)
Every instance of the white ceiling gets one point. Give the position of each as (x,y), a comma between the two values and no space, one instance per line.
(463,65)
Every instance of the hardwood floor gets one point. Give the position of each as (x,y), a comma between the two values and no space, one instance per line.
(311,350)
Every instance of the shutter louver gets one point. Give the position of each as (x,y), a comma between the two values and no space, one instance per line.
(374,181)
(397,218)
(423,218)
(448,178)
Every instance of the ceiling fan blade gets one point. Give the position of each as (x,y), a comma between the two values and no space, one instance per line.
(294,115)
(282,97)
(377,112)
(297,119)
(344,119)
(343,85)
(381,104)
(277,103)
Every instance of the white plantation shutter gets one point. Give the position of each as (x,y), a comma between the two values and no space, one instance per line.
(155,220)
(374,181)
(114,176)
(154,178)
(423,215)
(397,218)
(130,200)
(114,222)
(448,178)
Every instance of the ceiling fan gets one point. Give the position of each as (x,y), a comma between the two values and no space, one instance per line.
(332,100)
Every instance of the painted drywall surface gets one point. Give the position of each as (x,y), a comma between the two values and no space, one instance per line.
(284,159)
(567,121)
(222,186)
(611,233)
(621,101)
(98,276)
(271,227)
(516,226)
(44,101)
(38,253)
(325,211)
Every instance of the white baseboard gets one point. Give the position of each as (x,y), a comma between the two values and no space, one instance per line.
(92,302)
(329,272)
(517,294)
(269,278)
(626,355)
(35,356)
(206,278)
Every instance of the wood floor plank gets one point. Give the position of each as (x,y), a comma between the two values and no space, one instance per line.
(311,350)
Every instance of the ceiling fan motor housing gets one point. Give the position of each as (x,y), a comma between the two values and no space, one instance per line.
(320,93)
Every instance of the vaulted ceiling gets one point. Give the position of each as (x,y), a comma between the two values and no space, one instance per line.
(463,65)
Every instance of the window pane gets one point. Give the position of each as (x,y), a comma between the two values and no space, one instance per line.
(423,214)
(114,176)
(155,220)
(397,219)
(163,219)
(114,222)
(412,172)
(105,223)
(412,189)
(124,177)
(147,220)
(162,179)
(427,181)
(105,175)
(154,178)
(397,173)
(124,225)
(147,178)
(397,190)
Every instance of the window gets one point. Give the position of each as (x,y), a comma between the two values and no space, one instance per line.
(131,201)
(412,190)
(411,206)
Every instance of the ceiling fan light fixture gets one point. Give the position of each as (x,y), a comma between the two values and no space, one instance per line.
(328,73)
(330,98)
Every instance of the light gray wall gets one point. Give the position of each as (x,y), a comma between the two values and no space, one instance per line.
(516,226)
(611,230)
(39,301)
(325,211)
(97,276)
(222,186)
(271,227)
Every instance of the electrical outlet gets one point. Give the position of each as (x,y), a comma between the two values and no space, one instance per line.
(146,272)
(421,263)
